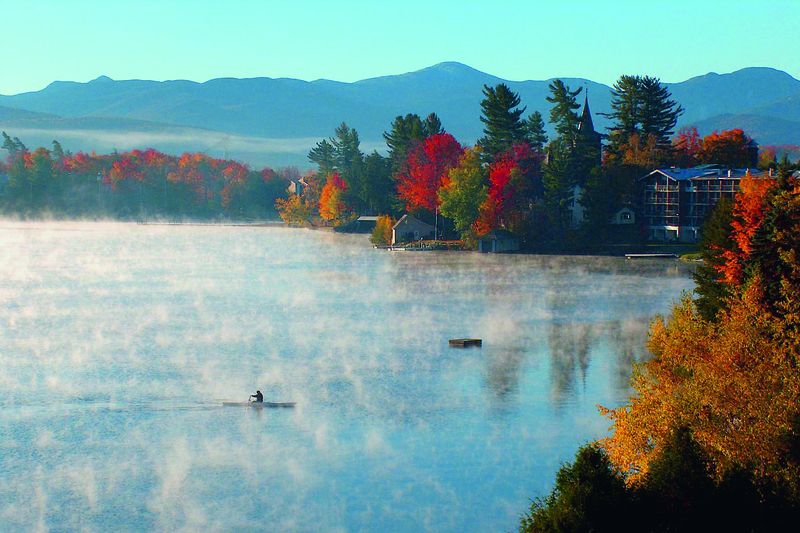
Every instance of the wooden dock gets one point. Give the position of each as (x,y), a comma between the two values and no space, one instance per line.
(650,256)
(466,343)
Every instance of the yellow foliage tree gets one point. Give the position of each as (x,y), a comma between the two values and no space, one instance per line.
(733,382)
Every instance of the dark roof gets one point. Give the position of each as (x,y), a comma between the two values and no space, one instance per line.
(702,171)
(497,234)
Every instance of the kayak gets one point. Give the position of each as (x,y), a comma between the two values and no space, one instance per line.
(260,405)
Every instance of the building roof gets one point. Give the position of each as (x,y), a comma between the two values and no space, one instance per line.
(701,171)
(497,234)
(409,219)
(368,218)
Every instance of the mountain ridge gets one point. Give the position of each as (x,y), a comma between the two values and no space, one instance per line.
(290,108)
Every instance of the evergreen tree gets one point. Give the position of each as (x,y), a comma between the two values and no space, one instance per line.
(14,145)
(563,113)
(716,238)
(534,131)
(405,131)
(324,155)
(641,105)
(432,125)
(378,187)
(501,116)
(657,112)
(624,109)
(558,176)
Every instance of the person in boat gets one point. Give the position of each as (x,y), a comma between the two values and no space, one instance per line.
(258,396)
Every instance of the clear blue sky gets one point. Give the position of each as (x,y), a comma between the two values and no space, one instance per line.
(350,40)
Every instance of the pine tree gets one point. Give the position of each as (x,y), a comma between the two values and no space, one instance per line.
(432,125)
(324,155)
(534,131)
(563,113)
(501,116)
(641,105)
(657,112)
(715,240)
(405,131)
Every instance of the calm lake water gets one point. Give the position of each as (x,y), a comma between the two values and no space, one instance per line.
(118,343)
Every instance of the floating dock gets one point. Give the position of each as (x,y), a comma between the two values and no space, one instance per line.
(466,343)
(651,256)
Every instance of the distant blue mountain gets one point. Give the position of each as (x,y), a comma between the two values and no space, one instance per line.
(268,110)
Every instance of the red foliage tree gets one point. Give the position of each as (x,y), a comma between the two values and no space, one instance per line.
(748,214)
(686,147)
(733,148)
(509,181)
(426,169)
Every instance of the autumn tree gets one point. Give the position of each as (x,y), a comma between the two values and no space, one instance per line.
(425,171)
(382,234)
(510,190)
(332,206)
(731,148)
(686,147)
(294,210)
(500,114)
(731,382)
(464,193)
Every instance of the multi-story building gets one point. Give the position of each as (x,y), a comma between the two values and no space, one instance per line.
(676,201)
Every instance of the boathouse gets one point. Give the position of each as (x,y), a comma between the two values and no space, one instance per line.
(410,228)
(498,241)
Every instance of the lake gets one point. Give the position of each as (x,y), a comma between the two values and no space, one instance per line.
(119,342)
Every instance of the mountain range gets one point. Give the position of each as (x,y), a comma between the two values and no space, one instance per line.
(276,120)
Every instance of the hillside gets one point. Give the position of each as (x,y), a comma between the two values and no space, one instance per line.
(280,118)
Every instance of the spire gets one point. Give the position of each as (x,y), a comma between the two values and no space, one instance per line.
(586,124)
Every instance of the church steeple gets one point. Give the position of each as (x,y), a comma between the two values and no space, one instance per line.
(586,125)
(587,137)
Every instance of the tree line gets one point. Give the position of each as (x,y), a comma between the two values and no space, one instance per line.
(135,184)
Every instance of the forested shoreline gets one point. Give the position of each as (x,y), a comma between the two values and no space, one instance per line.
(514,178)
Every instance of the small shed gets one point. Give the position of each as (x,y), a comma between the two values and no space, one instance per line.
(410,228)
(625,215)
(498,241)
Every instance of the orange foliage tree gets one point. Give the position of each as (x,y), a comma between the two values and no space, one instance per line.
(733,148)
(732,382)
(331,202)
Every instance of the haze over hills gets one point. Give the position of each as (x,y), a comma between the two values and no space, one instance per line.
(275,121)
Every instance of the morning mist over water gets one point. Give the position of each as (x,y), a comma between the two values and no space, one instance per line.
(113,419)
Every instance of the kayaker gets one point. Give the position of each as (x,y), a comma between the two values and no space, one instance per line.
(258,396)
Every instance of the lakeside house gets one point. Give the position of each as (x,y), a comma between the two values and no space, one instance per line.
(410,228)
(498,241)
(676,201)
(296,186)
